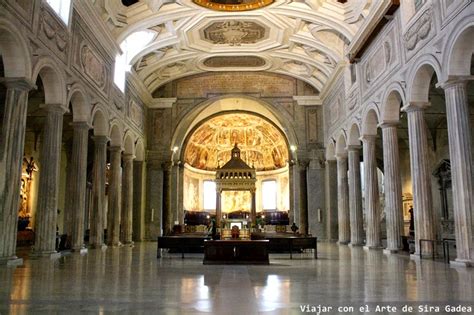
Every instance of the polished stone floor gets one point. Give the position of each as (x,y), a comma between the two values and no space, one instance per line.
(131,280)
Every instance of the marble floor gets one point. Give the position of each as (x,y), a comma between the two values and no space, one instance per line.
(127,280)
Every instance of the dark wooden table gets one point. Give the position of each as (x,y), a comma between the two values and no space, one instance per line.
(252,252)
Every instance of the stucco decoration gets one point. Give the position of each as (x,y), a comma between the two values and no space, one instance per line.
(136,113)
(234,32)
(233,5)
(54,30)
(262,144)
(234,61)
(418,31)
(92,66)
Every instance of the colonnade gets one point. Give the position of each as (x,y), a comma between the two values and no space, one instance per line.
(349,186)
(120,190)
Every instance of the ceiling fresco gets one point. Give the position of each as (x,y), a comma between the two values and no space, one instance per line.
(262,145)
(234,32)
(233,5)
(234,61)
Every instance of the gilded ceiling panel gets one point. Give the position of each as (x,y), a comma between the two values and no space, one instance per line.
(233,5)
(262,144)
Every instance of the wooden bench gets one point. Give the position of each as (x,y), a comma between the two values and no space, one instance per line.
(293,243)
(180,243)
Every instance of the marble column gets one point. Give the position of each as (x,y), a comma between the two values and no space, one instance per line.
(12,140)
(219,208)
(460,153)
(96,236)
(138,215)
(343,200)
(393,187)
(76,186)
(253,209)
(114,194)
(50,158)
(421,177)
(167,215)
(127,201)
(303,183)
(371,193)
(331,200)
(355,196)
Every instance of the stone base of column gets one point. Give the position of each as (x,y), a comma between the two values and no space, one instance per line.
(80,251)
(343,242)
(372,247)
(461,263)
(129,244)
(355,245)
(389,251)
(11,261)
(52,255)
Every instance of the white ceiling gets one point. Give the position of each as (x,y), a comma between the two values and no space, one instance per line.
(304,39)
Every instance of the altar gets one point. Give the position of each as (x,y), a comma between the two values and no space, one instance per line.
(253,252)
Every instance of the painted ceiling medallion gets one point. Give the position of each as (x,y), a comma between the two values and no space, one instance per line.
(234,62)
(233,5)
(234,32)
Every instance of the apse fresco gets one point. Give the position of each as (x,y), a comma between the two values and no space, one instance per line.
(236,201)
(262,145)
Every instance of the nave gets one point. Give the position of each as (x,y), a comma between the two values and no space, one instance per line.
(132,280)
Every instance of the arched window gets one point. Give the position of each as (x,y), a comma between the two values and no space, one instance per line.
(130,47)
(209,188)
(269,195)
(62,8)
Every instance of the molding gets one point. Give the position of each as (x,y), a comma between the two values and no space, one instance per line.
(162,102)
(308,100)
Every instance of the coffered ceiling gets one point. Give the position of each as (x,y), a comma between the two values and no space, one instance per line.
(303,39)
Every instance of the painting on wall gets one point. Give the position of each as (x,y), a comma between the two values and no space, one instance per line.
(236,201)
(262,145)
(191,193)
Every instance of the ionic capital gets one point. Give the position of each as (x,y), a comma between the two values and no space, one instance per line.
(455,80)
(22,84)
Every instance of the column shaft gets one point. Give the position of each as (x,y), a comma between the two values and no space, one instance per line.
(47,211)
(393,187)
(331,200)
(253,213)
(355,197)
(218,209)
(343,200)
(421,178)
(12,143)
(138,214)
(114,194)
(167,215)
(76,186)
(303,197)
(96,238)
(460,153)
(371,193)
(127,201)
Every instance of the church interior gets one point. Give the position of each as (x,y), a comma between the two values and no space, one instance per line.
(317,153)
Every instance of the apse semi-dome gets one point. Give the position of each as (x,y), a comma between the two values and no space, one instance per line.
(262,144)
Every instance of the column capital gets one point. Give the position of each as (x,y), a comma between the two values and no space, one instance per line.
(115,148)
(415,107)
(389,124)
(368,138)
(327,162)
(353,147)
(455,80)
(55,108)
(81,125)
(22,84)
(100,139)
(128,157)
(341,156)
